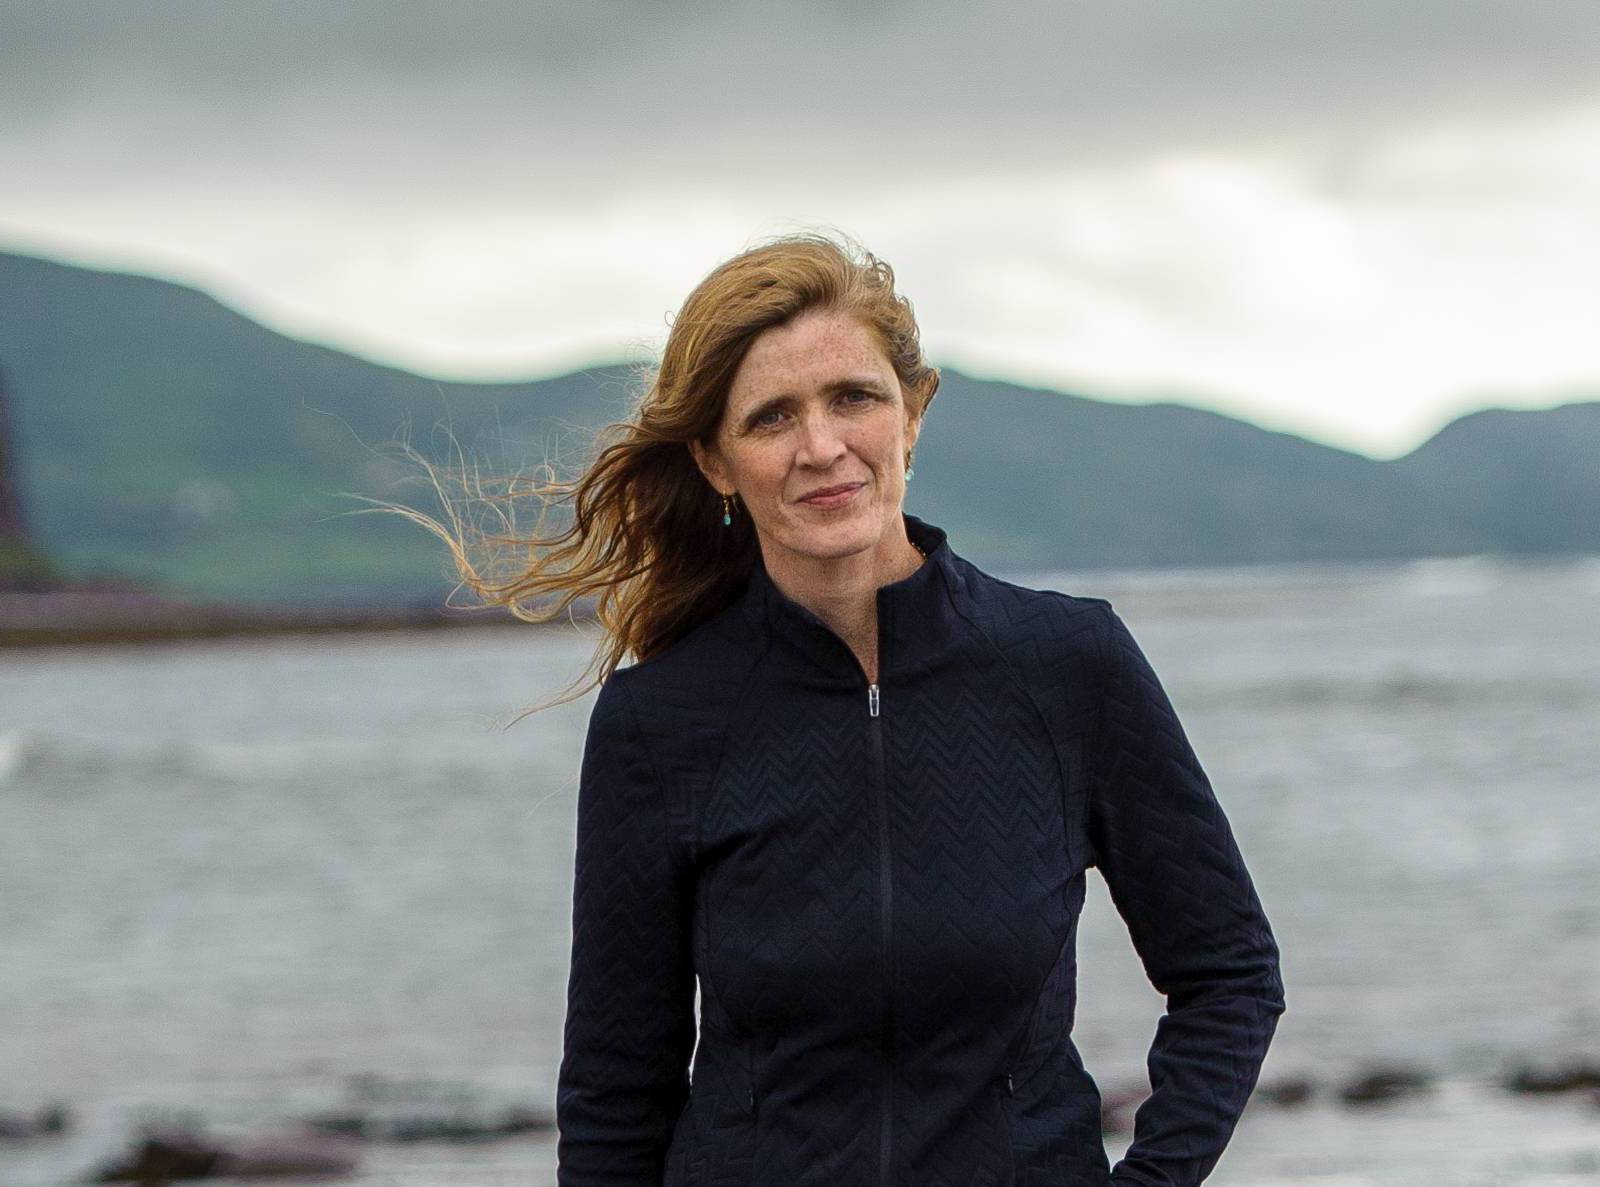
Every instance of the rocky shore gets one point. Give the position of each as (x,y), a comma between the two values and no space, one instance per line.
(378,1109)
(102,616)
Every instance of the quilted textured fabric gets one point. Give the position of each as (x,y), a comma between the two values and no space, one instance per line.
(878,890)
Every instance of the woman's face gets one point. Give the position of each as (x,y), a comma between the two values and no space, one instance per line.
(815,404)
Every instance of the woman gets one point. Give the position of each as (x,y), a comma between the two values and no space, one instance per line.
(851,790)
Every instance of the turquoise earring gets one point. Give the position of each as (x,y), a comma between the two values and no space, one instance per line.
(909,470)
(727,516)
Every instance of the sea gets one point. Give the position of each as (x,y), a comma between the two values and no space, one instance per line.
(247,883)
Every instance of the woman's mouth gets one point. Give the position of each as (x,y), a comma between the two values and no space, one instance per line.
(833,496)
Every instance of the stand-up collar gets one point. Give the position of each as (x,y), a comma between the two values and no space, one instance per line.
(909,608)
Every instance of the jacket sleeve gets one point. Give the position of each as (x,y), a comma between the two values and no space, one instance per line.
(1176,876)
(630,1026)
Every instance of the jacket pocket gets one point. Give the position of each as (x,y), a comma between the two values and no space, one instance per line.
(724,1127)
(753,1105)
(1004,1089)
(676,1173)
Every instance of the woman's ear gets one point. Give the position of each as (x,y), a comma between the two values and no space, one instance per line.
(711,466)
(913,430)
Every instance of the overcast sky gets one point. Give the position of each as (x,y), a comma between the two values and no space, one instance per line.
(1350,220)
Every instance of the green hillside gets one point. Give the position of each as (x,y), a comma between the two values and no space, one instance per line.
(165,436)
(162,435)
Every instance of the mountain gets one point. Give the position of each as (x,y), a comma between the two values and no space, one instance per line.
(1515,480)
(162,435)
(22,565)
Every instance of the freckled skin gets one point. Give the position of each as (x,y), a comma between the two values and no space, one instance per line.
(830,560)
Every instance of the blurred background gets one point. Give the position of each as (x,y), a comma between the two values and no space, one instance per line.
(1272,323)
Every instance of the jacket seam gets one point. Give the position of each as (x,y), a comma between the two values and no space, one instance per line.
(1038,709)
(655,769)
(669,846)
(1102,690)
(727,723)
(1028,1027)
(699,840)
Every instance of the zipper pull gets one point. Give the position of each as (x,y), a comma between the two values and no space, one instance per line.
(872,699)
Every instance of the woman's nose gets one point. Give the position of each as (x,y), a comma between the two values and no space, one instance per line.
(820,442)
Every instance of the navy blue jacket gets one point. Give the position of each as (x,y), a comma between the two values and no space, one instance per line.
(878,889)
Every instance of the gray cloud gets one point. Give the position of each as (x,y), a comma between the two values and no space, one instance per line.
(523,93)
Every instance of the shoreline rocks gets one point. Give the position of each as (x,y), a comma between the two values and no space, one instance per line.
(165,1156)
(51,1119)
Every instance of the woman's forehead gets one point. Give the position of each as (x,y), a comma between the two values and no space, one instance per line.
(815,354)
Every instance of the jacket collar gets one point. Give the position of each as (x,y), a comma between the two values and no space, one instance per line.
(910,608)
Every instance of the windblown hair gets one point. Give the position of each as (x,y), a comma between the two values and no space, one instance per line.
(646,539)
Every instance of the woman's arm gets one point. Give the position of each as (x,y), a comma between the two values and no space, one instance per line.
(630,1025)
(1177,878)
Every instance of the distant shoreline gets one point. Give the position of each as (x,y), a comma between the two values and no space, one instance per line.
(67,618)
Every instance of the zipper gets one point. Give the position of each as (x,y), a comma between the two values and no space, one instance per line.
(885,895)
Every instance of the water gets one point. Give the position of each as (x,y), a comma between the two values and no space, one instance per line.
(234,875)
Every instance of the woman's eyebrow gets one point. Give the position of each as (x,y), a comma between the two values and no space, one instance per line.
(852,383)
(840,385)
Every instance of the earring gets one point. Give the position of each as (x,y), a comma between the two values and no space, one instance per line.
(727,516)
(909,470)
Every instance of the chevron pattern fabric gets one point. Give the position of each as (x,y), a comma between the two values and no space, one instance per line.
(877,893)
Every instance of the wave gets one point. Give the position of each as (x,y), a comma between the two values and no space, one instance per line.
(30,756)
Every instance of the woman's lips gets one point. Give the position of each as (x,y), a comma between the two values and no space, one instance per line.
(833,500)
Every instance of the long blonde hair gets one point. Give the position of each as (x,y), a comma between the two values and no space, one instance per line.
(646,538)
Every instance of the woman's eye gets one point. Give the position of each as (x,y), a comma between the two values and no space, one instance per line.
(770,418)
